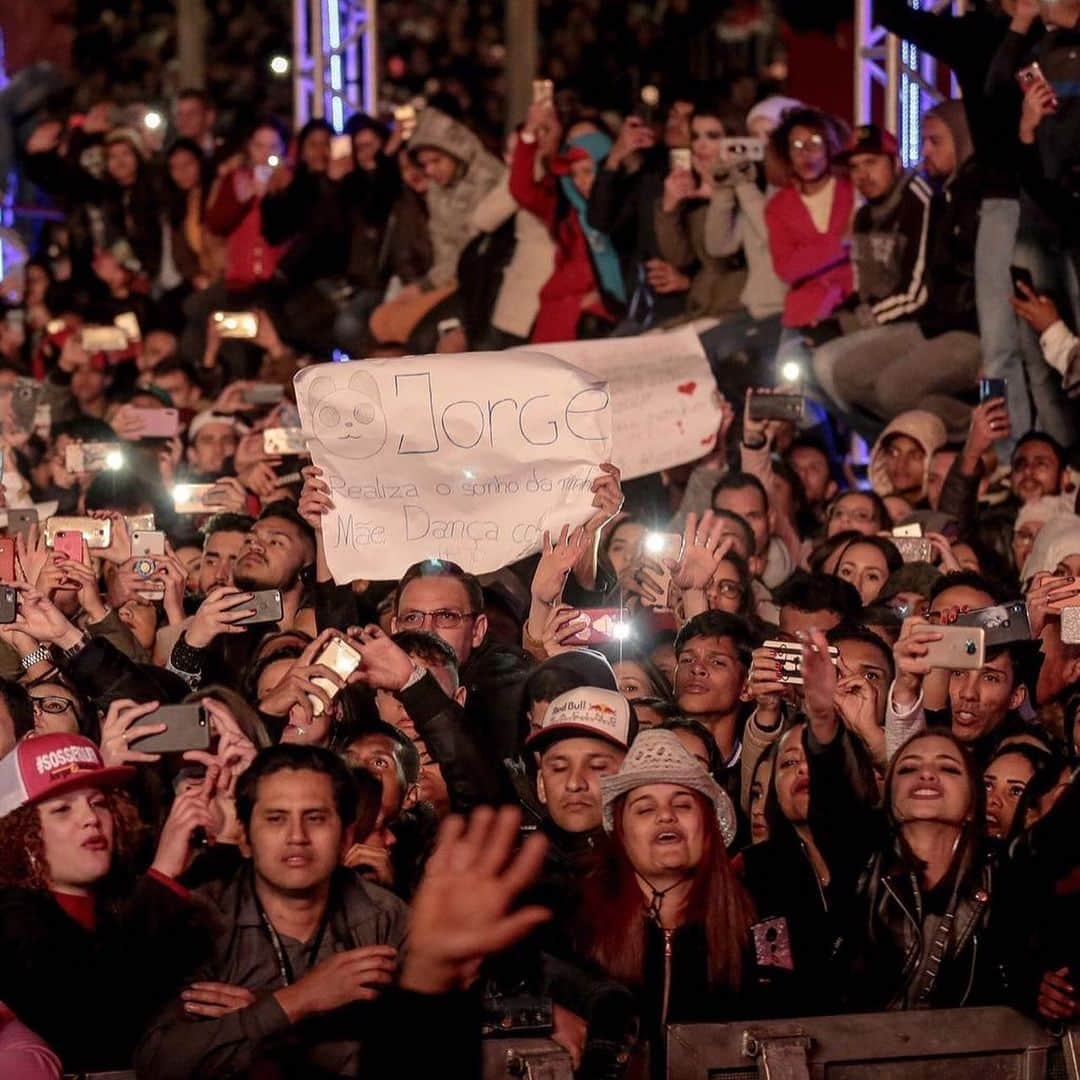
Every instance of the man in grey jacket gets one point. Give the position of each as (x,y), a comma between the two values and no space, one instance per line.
(302,947)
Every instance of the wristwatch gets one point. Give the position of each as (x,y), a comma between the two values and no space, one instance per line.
(70,654)
(38,656)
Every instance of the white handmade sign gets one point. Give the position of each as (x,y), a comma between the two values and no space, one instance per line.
(662,392)
(468,458)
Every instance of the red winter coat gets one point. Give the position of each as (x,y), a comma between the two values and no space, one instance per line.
(816,266)
(573,277)
(249,259)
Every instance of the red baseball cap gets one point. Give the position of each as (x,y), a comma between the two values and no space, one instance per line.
(870,139)
(43,766)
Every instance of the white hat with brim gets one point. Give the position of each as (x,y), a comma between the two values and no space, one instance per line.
(657,757)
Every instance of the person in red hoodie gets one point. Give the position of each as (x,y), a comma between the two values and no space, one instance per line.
(580,298)
(809,225)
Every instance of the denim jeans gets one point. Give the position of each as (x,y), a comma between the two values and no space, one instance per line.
(1053,272)
(999,328)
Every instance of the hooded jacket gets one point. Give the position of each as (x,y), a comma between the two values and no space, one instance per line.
(954,224)
(451,208)
(925,428)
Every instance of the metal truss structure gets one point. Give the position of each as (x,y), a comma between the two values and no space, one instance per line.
(335,59)
(909,80)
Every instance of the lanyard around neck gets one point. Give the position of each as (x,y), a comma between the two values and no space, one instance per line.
(284,967)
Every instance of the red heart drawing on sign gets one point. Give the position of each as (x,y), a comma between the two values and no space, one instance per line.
(686,387)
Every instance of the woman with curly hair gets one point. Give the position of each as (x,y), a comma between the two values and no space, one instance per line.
(90,950)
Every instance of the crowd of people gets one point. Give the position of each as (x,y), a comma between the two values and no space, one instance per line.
(812,749)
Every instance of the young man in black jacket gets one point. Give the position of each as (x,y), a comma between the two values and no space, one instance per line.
(968,43)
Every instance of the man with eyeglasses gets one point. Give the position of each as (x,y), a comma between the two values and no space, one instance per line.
(443,599)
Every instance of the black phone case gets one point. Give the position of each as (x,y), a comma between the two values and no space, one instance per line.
(9,604)
(189,729)
(776,406)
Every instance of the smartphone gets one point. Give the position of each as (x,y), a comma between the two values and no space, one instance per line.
(264,393)
(789,655)
(341,148)
(93,457)
(158,423)
(96,532)
(236,324)
(147,543)
(913,530)
(680,159)
(772,944)
(188,729)
(69,543)
(135,522)
(914,549)
(1070,625)
(1031,76)
(194,499)
(342,658)
(7,560)
(263,173)
(103,339)
(1021,275)
(146,568)
(648,104)
(543,91)
(9,604)
(267,605)
(25,399)
(19,521)
(603,624)
(776,406)
(1001,623)
(742,149)
(960,648)
(128,322)
(405,120)
(992,388)
(281,440)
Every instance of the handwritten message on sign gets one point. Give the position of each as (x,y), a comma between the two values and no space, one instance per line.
(661,390)
(468,458)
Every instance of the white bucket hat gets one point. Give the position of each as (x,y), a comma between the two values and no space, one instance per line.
(657,757)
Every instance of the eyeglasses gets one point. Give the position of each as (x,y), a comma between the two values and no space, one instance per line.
(815,142)
(52,705)
(443,619)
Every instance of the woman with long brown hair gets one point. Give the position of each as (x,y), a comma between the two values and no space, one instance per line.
(665,913)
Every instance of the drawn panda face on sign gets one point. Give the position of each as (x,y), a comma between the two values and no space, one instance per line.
(349,422)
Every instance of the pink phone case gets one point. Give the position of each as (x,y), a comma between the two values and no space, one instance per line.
(159,423)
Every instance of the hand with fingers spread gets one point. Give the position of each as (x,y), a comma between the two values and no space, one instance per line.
(704,546)
(218,614)
(117,732)
(462,911)
(557,559)
(190,810)
(32,555)
(355,975)
(214,999)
